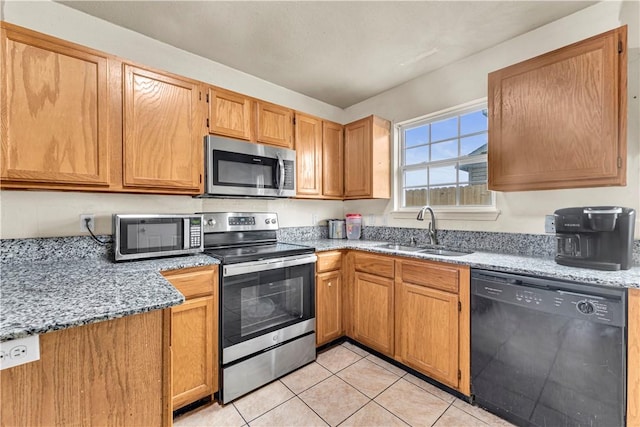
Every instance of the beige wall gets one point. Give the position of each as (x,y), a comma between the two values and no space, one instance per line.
(44,214)
(466,80)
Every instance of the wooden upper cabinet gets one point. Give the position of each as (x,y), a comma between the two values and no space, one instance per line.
(163,131)
(332,159)
(274,124)
(367,159)
(54,111)
(559,120)
(229,114)
(308,131)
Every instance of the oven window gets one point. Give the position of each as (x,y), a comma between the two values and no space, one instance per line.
(258,303)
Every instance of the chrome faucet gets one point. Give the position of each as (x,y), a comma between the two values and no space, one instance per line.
(433,238)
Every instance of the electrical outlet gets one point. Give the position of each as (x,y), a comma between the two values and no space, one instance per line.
(371,220)
(549,224)
(19,351)
(314,219)
(83,222)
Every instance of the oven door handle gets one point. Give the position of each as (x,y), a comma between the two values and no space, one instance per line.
(267,264)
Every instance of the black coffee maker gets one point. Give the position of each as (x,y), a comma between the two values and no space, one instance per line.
(599,237)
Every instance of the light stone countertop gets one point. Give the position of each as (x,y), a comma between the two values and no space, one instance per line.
(40,297)
(531,266)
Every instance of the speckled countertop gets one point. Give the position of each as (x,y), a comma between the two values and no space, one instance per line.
(43,296)
(532,266)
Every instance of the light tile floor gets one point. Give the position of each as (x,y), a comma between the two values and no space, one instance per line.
(345,386)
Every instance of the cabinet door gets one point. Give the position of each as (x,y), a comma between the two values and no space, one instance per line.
(332,159)
(328,306)
(373,320)
(274,124)
(192,345)
(427,331)
(308,155)
(54,111)
(357,158)
(163,131)
(229,114)
(559,120)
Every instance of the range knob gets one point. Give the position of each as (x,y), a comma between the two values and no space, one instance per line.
(585,307)
(211,222)
(267,221)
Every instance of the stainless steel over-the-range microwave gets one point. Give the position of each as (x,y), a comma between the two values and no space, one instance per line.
(150,236)
(236,168)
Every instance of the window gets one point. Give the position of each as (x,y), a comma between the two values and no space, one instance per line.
(443,159)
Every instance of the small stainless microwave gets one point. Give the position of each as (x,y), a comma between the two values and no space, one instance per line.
(236,168)
(150,236)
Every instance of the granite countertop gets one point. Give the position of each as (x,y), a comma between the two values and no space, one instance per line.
(527,265)
(39,297)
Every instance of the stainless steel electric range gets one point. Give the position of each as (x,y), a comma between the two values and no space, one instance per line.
(267,300)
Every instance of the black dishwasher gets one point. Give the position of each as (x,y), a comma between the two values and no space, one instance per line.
(547,352)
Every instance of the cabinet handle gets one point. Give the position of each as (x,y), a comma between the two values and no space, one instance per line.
(329,284)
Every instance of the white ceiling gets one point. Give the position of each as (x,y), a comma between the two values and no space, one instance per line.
(340,52)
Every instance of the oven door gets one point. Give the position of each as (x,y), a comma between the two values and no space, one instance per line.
(266,303)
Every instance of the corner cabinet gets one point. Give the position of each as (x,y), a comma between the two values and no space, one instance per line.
(559,120)
(332,160)
(308,131)
(163,127)
(54,111)
(194,335)
(367,157)
(432,330)
(329,290)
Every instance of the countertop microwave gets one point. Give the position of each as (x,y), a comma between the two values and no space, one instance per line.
(235,168)
(150,236)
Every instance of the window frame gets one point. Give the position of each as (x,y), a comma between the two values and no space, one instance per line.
(475,212)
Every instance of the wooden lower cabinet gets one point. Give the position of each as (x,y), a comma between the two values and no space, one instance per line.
(194,335)
(329,297)
(427,328)
(106,373)
(373,312)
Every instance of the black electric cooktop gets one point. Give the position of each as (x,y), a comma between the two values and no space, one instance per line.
(257,252)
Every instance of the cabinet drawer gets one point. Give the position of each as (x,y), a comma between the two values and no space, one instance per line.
(433,275)
(329,261)
(193,282)
(378,265)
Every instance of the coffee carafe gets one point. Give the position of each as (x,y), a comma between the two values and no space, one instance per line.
(599,237)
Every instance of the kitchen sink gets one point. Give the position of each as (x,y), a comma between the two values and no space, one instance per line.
(444,252)
(399,247)
(431,250)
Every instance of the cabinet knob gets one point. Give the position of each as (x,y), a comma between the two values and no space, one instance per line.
(329,283)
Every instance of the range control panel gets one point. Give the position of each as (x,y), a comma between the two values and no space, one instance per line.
(217,222)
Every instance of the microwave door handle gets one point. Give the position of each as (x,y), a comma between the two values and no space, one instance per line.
(185,233)
(280,182)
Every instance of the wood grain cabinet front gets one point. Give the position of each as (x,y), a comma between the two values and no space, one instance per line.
(163,130)
(194,335)
(320,158)
(229,114)
(432,320)
(559,120)
(54,112)
(329,297)
(274,124)
(367,157)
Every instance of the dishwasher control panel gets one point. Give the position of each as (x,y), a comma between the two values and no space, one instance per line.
(579,301)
